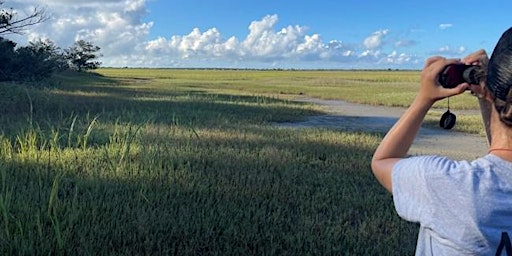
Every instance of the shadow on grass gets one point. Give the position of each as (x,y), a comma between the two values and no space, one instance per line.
(123,101)
(276,192)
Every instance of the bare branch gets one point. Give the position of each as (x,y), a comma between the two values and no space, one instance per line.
(11,24)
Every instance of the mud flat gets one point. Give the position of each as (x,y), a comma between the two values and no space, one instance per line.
(359,117)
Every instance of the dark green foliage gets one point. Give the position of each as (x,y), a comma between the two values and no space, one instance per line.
(7,56)
(82,54)
(38,60)
(41,59)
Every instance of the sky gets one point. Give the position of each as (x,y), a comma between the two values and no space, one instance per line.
(270,34)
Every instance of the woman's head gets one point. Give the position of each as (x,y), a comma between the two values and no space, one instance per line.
(499,77)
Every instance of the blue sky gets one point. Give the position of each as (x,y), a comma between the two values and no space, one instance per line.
(272,34)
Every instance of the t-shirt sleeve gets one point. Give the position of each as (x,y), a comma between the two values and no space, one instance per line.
(412,194)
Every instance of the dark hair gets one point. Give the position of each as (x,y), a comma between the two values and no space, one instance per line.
(499,77)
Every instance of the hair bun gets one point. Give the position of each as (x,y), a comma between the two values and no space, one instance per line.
(506,115)
(504,108)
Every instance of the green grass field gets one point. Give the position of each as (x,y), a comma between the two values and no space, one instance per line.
(187,162)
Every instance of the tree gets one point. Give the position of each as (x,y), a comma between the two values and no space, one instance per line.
(81,54)
(12,23)
(40,59)
(22,63)
(49,54)
(7,56)
(36,61)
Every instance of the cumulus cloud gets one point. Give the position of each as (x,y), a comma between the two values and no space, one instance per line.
(450,51)
(114,25)
(376,39)
(399,58)
(79,2)
(117,27)
(263,43)
(445,26)
(405,43)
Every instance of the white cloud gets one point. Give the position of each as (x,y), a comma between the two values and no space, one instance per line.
(79,2)
(117,27)
(451,51)
(114,25)
(445,26)
(266,44)
(405,43)
(375,40)
(398,58)
(263,43)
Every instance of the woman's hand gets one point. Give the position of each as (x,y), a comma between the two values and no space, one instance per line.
(430,89)
(478,58)
(485,98)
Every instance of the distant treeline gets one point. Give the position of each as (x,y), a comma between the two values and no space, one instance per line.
(273,69)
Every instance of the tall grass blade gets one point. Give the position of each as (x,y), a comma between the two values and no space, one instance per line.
(88,132)
(71,129)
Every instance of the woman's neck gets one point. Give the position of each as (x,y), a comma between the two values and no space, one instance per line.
(501,144)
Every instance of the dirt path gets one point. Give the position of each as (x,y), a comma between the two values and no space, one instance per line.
(358,117)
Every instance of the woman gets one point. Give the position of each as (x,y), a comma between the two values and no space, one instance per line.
(464,208)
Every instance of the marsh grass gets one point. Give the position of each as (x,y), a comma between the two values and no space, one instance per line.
(387,88)
(187,162)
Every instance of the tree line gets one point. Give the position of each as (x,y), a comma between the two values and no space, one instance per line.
(40,58)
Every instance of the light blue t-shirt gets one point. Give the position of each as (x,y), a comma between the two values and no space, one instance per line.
(464,208)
